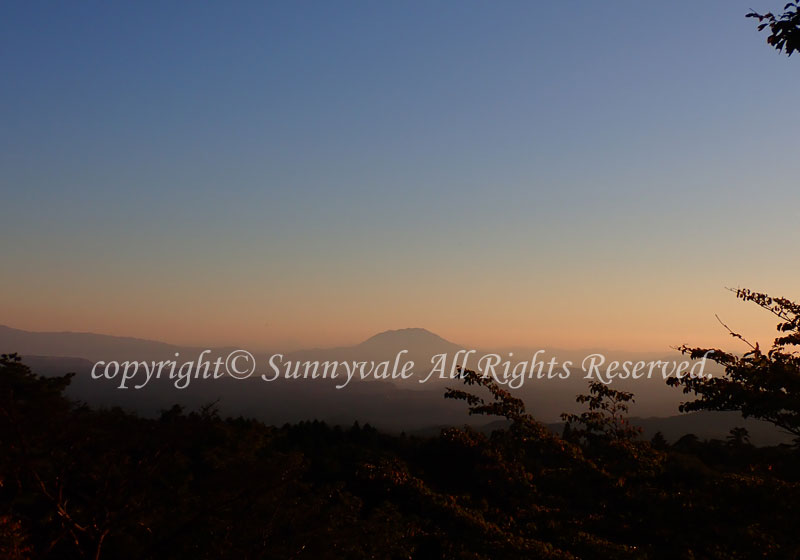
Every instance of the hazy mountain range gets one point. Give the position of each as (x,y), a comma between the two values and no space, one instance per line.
(392,405)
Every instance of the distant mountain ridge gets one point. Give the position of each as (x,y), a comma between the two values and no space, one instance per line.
(547,398)
(387,406)
(93,346)
(89,346)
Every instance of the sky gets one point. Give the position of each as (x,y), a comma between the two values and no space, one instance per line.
(295,174)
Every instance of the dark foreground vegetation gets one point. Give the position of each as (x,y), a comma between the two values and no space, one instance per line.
(82,483)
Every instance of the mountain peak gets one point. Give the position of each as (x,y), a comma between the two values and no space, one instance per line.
(408,337)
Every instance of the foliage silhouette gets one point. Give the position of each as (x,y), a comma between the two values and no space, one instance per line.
(784,29)
(757,384)
(78,483)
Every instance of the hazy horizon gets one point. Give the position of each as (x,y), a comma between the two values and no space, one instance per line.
(397,334)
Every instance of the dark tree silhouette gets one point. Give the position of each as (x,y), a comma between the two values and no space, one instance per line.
(79,483)
(757,384)
(658,441)
(738,437)
(784,29)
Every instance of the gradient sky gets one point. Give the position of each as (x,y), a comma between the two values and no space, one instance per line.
(572,174)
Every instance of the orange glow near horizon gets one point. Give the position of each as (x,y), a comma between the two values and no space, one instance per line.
(633,323)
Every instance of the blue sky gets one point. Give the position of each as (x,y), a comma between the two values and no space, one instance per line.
(184,171)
